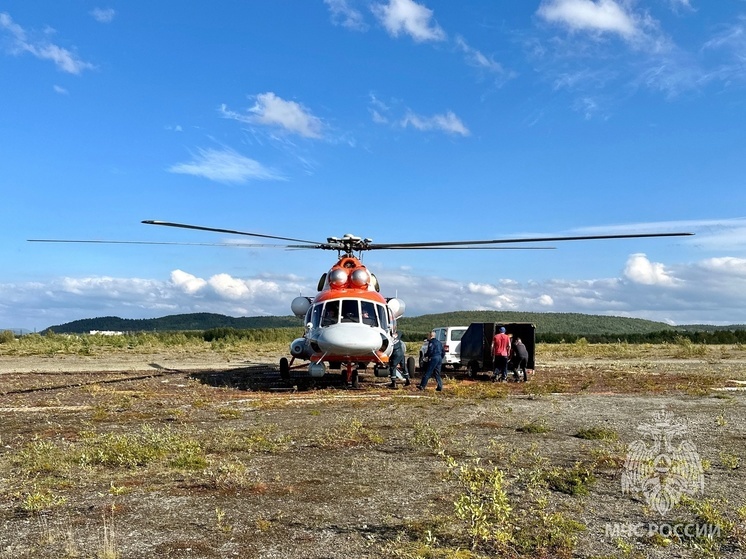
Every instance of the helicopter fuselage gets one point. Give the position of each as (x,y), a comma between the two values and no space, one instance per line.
(349,321)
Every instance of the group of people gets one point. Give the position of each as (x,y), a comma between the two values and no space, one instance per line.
(433,357)
(503,349)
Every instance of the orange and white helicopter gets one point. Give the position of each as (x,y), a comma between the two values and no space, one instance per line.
(348,323)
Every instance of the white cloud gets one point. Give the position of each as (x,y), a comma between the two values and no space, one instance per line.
(289,116)
(641,270)
(601,16)
(103,15)
(345,15)
(447,122)
(406,16)
(229,287)
(187,282)
(225,166)
(476,58)
(20,43)
(708,291)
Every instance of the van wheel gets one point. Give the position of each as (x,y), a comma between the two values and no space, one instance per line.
(473,369)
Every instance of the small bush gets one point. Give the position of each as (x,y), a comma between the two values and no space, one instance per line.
(571,481)
(597,434)
(7,336)
(535,427)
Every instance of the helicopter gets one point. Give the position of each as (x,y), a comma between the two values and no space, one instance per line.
(348,324)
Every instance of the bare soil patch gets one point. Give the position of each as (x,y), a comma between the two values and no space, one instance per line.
(206,457)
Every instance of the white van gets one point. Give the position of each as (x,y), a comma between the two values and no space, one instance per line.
(450,337)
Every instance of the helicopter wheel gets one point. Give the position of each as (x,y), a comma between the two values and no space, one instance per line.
(284,368)
(411,368)
(355,383)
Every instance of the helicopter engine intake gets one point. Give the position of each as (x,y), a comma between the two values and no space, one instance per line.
(298,348)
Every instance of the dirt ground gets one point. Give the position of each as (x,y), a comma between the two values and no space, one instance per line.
(203,457)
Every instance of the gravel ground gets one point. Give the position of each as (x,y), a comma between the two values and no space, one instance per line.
(334,473)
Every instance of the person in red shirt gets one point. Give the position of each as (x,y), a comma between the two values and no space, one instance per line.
(501,352)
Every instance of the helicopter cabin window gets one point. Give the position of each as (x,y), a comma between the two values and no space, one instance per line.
(369,313)
(350,310)
(382,317)
(331,313)
(315,315)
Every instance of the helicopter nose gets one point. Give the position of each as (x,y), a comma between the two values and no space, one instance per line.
(349,339)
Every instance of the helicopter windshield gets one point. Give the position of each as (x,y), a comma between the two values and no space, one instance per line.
(350,310)
(331,313)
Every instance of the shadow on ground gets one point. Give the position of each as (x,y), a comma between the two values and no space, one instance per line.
(266,378)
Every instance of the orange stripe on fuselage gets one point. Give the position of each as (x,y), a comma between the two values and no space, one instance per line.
(348,293)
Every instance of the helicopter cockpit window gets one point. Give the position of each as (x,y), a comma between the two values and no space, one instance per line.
(350,310)
(382,317)
(331,313)
(368,309)
(316,315)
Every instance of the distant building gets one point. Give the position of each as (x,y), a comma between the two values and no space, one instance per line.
(106,333)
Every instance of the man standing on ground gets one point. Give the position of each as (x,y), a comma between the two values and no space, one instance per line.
(397,358)
(434,357)
(520,358)
(501,351)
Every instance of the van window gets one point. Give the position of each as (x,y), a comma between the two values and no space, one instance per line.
(441,335)
(456,335)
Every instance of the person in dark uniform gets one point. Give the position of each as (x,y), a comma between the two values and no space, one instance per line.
(434,357)
(398,356)
(520,359)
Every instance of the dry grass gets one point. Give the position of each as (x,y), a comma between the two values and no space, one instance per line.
(173,466)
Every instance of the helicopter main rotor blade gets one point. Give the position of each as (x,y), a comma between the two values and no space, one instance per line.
(229,231)
(441,244)
(465,248)
(97,241)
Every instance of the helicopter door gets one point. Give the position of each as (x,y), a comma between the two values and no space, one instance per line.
(350,310)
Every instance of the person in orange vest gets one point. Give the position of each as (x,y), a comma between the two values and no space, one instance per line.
(501,352)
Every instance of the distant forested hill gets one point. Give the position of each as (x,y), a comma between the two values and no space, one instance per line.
(412,327)
(559,323)
(194,321)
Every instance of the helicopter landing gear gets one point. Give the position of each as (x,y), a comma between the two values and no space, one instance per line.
(410,366)
(352,376)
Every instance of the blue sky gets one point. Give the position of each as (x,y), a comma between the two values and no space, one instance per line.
(397,120)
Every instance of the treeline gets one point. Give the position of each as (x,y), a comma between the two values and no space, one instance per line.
(724,337)
(286,335)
